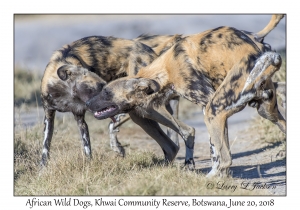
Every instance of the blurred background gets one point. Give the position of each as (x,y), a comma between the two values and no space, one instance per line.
(38,36)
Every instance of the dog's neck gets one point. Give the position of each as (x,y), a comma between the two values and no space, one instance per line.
(156,71)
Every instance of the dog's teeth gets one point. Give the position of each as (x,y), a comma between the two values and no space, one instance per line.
(105,110)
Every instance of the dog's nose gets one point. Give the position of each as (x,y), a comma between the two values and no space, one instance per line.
(88,103)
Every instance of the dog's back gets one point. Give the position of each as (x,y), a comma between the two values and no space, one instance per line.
(159,43)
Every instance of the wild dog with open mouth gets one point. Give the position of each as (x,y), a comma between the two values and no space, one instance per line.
(221,70)
(78,71)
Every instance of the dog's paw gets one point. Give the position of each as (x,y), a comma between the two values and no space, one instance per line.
(189,164)
(223,173)
(120,151)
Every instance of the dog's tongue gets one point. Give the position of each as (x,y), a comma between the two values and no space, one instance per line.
(113,119)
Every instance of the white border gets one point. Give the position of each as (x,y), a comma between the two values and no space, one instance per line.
(8,201)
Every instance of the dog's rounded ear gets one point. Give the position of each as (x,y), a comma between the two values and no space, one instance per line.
(149,86)
(63,72)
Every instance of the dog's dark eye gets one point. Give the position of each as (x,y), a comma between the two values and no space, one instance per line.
(104,93)
(100,86)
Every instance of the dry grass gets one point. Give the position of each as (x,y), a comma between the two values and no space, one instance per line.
(27,87)
(69,173)
(268,132)
(280,76)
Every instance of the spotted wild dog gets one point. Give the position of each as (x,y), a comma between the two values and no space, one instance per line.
(221,70)
(78,71)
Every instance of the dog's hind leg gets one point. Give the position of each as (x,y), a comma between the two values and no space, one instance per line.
(152,128)
(231,97)
(173,108)
(219,143)
(259,82)
(48,132)
(213,154)
(113,129)
(269,107)
(84,133)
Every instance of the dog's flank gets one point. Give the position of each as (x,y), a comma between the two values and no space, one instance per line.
(193,68)
(159,43)
(178,66)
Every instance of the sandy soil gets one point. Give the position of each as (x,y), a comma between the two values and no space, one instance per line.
(253,161)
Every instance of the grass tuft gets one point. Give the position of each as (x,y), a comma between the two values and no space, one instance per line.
(69,173)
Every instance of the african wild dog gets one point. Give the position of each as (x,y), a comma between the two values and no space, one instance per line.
(221,70)
(79,70)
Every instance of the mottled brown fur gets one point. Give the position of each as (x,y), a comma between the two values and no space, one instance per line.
(213,69)
(78,71)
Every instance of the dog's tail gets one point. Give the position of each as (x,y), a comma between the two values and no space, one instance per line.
(275,19)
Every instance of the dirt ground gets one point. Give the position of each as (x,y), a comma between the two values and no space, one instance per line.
(253,160)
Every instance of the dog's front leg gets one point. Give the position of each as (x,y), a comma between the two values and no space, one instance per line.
(84,133)
(48,132)
(235,92)
(162,116)
(113,129)
(152,128)
(173,109)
